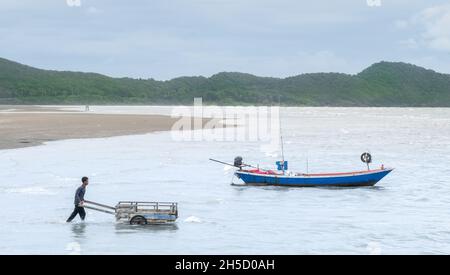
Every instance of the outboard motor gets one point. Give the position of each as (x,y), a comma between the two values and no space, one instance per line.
(238,162)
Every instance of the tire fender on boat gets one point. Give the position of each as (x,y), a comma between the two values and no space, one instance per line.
(366,158)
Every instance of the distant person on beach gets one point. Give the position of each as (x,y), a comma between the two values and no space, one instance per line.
(79,200)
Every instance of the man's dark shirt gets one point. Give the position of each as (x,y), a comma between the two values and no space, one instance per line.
(79,195)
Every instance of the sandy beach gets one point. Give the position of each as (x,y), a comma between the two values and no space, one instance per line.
(23,126)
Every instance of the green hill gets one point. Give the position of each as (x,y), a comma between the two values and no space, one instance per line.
(382,84)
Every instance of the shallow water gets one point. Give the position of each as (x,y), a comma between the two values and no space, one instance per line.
(407,212)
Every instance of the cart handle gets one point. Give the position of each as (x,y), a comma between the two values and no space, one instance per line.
(101,205)
(100,210)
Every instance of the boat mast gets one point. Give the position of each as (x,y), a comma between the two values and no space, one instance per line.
(307,163)
(281,132)
(282,151)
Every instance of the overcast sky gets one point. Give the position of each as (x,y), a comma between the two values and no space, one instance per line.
(163,39)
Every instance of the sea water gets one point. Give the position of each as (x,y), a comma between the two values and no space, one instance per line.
(407,212)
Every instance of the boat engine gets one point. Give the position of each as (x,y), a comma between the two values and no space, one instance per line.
(238,162)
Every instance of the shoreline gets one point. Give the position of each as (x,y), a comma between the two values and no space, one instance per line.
(33,125)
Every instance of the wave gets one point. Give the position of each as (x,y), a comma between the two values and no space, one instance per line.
(193,219)
(30,190)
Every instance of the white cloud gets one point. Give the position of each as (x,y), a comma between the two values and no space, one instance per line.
(401,24)
(437,27)
(433,28)
(73,3)
(410,43)
(374,3)
(164,39)
(93,10)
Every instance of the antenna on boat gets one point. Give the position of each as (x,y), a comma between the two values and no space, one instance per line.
(281,134)
(282,152)
(307,163)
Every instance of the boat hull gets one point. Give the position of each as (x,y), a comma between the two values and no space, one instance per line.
(368,178)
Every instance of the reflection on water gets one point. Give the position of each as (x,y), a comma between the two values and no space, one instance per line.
(242,187)
(376,187)
(79,230)
(122,228)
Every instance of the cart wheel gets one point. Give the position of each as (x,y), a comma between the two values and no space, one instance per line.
(138,220)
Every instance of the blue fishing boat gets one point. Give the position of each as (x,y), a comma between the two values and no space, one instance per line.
(252,175)
(348,179)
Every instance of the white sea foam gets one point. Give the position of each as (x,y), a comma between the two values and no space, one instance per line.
(193,219)
(34,190)
(216,201)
